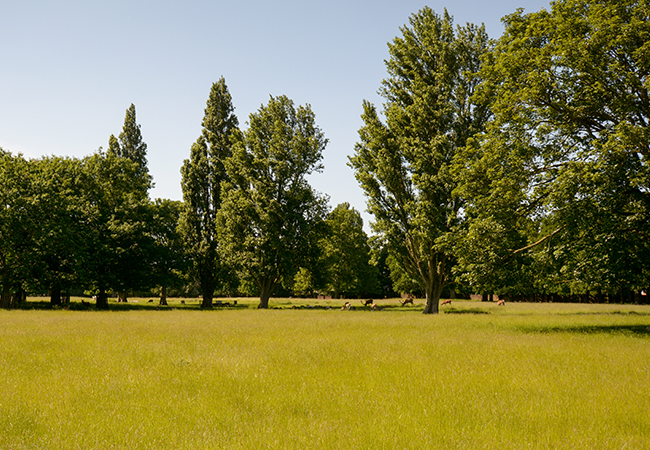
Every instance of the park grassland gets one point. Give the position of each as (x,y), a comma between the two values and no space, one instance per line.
(519,376)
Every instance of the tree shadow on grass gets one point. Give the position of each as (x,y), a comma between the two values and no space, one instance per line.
(118,307)
(634,330)
(465,311)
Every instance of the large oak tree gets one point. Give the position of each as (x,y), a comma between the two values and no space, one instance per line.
(562,175)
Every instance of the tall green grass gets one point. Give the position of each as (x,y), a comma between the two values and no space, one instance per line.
(523,376)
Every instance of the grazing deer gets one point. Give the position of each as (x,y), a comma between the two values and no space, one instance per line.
(444,302)
(408,299)
(367,302)
(501,303)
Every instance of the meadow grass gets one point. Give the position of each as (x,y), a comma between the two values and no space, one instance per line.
(521,376)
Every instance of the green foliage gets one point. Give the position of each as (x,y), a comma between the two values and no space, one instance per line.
(15,222)
(270,215)
(202,178)
(404,165)
(114,203)
(562,173)
(345,255)
(130,144)
(167,254)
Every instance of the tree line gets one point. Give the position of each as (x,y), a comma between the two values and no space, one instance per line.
(516,167)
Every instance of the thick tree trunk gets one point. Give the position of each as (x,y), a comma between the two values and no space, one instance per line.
(102,299)
(266,289)
(121,297)
(207,288)
(55,295)
(208,294)
(433,298)
(5,298)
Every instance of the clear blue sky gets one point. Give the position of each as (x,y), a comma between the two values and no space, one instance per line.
(71,68)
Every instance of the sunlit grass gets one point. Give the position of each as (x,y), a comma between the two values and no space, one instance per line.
(520,376)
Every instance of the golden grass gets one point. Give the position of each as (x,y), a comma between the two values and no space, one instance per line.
(521,376)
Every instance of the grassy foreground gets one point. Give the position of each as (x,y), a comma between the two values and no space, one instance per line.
(521,376)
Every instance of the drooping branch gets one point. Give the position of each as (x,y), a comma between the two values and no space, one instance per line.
(535,244)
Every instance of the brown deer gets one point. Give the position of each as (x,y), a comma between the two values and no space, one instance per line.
(444,302)
(408,299)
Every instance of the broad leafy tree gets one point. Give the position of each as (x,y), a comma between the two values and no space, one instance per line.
(270,214)
(345,255)
(58,245)
(16,223)
(404,164)
(202,177)
(115,235)
(167,254)
(561,178)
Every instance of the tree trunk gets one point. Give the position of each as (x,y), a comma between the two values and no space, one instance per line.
(163,295)
(207,299)
(55,295)
(18,298)
(266,289)
(102,299)
(433,298)
(5,298)
(207,289)
(121,297)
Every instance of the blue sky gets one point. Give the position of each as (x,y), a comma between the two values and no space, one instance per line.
(71,68)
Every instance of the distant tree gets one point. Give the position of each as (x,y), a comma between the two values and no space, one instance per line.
(202,177)
(167,254)
(15,226)
(345,254)
(131,146)
(270,215)
(114,202)
(379,258)
(57,244)
(404,165)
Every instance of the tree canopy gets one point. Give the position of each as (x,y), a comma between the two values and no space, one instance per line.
(560,180)
(404,164)
(270,215)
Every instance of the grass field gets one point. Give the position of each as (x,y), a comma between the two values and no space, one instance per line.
(477,376)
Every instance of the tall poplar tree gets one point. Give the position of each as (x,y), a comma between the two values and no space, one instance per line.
(403,165)
(202,176)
